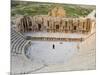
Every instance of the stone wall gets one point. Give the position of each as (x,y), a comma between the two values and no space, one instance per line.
(54,24)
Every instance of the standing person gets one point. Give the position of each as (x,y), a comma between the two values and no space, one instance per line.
(53,46)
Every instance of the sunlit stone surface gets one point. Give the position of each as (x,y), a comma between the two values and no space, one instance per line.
(31,56)
(43,52)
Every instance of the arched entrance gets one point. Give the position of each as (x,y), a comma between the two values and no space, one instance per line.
(39,27)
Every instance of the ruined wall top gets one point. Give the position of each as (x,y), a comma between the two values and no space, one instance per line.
(57,11)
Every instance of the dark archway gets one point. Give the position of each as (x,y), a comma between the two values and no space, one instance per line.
(39,27)
(57,27)
(74,27)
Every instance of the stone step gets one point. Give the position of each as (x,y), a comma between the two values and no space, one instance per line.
(14,43)
(18,42)
(13,34)
(18,46)
(14,38)
(22,46)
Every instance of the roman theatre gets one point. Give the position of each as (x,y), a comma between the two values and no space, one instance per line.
(43,43)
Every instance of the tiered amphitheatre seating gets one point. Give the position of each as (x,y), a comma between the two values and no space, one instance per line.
(18,42)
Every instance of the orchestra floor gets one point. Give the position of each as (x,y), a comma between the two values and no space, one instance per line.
(45,52)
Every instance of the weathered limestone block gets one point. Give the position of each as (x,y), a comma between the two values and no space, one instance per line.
(57,12)
(80,28)
(89,24)
(18,23)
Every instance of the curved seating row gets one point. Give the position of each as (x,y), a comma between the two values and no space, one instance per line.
(18,42)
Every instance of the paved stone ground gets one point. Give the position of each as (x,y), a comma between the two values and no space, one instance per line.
(65,57)
(43,52)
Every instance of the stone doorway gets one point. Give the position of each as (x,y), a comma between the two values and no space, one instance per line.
(39,27)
